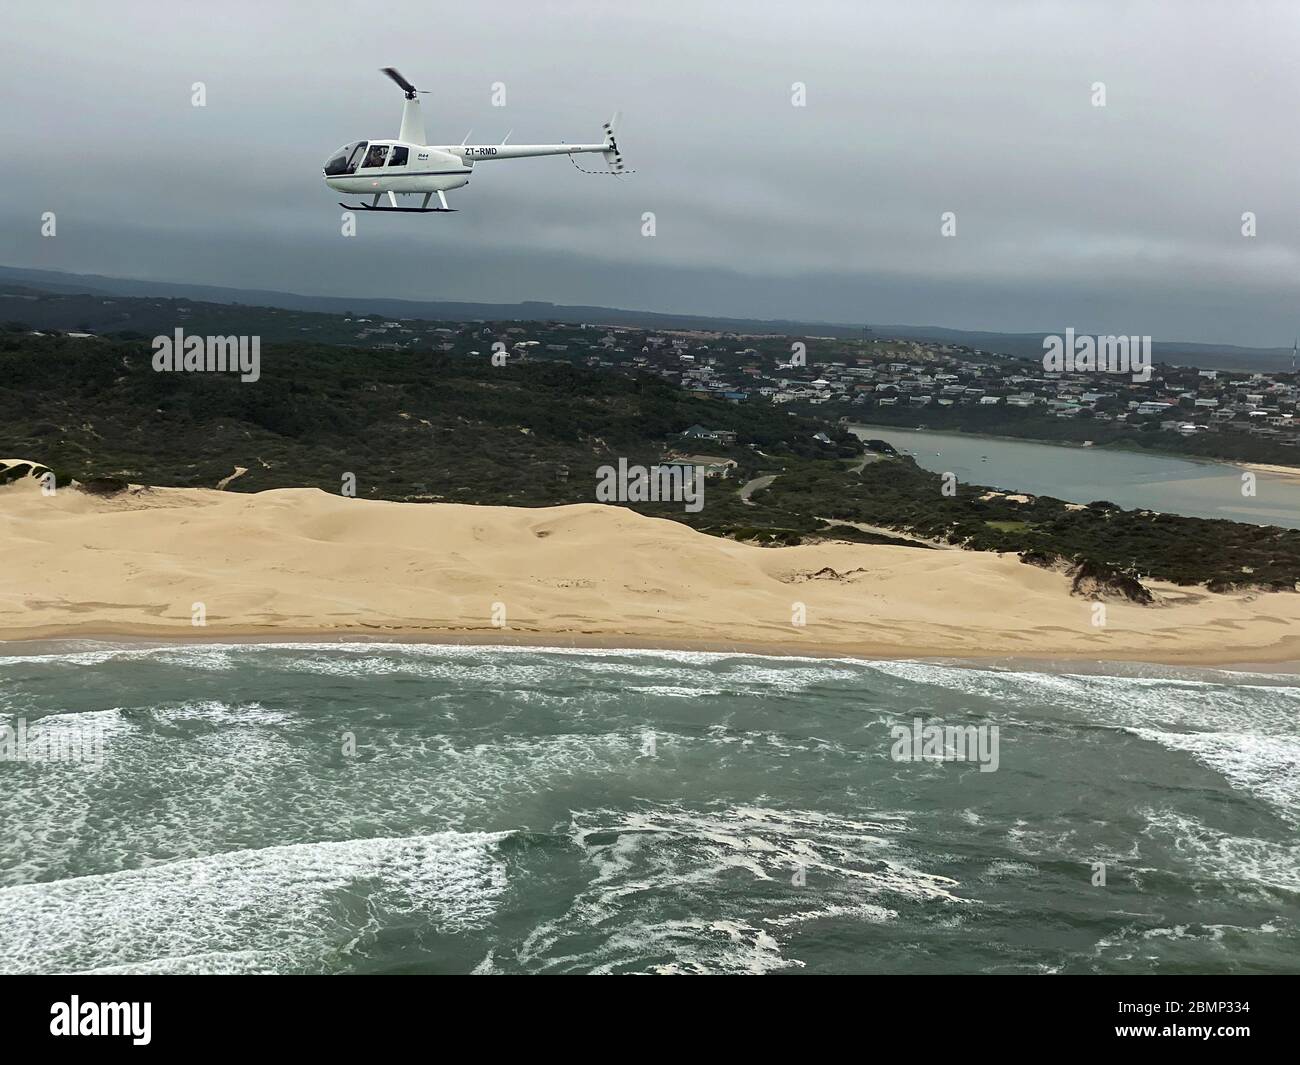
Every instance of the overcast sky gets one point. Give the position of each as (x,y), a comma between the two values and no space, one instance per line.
(1124,218)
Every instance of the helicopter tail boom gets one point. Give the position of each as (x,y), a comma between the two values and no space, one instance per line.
(608,148)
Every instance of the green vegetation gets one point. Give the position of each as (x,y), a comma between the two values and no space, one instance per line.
(408,425)
(901,495)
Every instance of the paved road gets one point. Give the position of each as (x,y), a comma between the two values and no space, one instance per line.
(757,484)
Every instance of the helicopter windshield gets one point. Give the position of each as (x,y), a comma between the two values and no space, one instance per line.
(345,160)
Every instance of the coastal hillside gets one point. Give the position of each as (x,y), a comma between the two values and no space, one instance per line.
(426,427)
(406,424)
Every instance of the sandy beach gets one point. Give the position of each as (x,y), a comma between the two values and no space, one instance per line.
(299,562)
(1290,472)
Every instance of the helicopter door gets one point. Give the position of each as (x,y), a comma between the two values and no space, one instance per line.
(376,156)
(400,155)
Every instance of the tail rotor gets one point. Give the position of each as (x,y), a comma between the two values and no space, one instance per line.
(613,157)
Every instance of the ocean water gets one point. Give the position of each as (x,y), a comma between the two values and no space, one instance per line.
(359,808)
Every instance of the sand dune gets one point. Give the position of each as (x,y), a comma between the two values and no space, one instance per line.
(300,562)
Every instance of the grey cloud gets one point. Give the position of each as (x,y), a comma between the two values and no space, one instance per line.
(1125,218)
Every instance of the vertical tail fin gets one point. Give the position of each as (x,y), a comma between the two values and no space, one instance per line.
(412,131)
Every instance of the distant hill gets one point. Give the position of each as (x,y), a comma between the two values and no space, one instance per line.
(435,310)
(21,281)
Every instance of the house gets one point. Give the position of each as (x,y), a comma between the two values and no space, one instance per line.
(726,437)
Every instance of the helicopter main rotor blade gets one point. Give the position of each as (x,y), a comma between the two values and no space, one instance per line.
(406,86)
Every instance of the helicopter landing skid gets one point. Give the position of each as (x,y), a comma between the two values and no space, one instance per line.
(399,210)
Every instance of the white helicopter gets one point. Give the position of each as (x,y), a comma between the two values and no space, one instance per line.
(408,165)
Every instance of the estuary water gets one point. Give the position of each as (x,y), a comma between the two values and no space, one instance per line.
(1131,479)
(403,808)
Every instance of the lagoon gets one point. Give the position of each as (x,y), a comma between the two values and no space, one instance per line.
(1131,479)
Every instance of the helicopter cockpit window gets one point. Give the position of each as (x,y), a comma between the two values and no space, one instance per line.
(378,153)
(344,161)
(400,156)
(338,163)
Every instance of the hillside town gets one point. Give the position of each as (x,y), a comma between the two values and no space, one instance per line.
(860,378)
(868,379)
